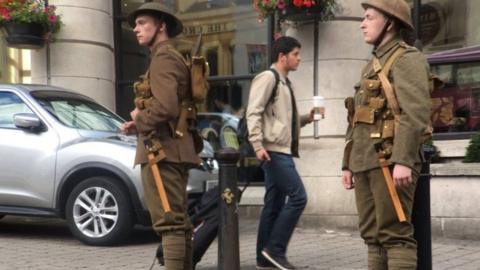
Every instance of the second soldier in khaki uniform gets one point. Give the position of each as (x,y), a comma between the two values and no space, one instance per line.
(390,242)
(157,107)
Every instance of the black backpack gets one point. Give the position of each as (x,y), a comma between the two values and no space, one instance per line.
(246,149)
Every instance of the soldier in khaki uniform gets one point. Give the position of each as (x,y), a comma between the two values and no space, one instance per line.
(390,242)
(165,85)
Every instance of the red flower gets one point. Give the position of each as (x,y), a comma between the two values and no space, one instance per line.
(307,3)
(298,3)
(5,14)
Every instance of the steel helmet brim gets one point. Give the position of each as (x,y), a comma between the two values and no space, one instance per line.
(377,4)
(174,25)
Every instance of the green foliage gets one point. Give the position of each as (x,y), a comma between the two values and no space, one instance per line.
(266,8)
(433,154)
(473,150)
(30,11)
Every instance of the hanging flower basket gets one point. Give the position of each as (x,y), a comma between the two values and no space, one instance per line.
(294,13)
(28,23)
(295,10)
(25,35)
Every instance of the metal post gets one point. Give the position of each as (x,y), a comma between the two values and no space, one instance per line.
(421,214)
(417,4)
(270,39)
(47,56)
(228,244)
(315,69)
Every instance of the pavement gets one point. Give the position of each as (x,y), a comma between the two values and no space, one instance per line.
(46,244)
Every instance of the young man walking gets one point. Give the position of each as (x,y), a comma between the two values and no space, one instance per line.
(274,128)
(157,107)
(387,125)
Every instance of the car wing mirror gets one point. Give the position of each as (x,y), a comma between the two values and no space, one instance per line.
(27,121)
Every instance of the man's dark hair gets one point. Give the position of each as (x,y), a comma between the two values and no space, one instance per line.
(284,45)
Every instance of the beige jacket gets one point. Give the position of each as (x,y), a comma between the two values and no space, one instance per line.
(270,127)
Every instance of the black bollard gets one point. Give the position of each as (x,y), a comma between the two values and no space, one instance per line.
(228,245)
(421,218)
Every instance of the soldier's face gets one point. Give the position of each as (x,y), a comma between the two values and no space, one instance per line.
(372,25)
(145,28)
(292,59)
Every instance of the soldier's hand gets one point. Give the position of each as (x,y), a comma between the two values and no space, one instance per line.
(347,178)
(133,114)
(262,154)
(402,175)
(128,128)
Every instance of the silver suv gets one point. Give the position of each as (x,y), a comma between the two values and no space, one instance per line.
(63,156)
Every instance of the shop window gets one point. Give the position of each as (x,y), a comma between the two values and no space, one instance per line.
(456,106)
(15,65)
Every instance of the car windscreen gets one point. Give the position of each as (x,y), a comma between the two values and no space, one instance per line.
(77,111)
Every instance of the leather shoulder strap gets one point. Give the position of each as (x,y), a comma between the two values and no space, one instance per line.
(382,73)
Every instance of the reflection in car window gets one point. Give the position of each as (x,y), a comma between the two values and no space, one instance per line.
(10,104)
(78,112)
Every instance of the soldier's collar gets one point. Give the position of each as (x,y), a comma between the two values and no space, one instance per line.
(160,45)
(380,52)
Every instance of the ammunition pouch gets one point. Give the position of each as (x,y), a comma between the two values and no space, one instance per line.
(372,87)
(364,114)
(376,103)
(142,88)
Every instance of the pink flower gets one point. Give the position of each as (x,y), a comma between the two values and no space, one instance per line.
(52,19)
(307,3)
(281,4)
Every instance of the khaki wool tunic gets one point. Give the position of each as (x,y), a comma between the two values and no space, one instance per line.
(409,77)
(170,83)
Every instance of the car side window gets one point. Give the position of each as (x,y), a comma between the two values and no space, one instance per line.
(10,104)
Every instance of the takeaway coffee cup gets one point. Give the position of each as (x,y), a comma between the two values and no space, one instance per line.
(319,108)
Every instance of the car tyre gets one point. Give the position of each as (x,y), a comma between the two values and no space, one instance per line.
(98,212)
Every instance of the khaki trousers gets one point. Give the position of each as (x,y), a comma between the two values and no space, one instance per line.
(390,243)
(174,227)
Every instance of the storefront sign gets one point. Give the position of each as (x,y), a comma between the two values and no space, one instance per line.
(212,28)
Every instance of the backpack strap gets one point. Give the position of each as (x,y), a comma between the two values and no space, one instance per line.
(386,85)
(275,87)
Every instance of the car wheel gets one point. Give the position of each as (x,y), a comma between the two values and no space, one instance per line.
(98,212)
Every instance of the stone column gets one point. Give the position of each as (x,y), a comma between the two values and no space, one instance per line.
(342,54)
(82,57)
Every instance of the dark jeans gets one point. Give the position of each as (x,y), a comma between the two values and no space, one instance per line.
(279,215)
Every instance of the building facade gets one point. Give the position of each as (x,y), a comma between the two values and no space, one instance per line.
(99,57)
